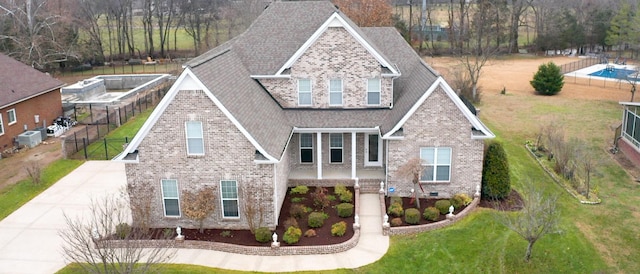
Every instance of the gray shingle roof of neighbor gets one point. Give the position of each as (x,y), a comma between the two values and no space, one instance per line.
(19,81)
(269,43)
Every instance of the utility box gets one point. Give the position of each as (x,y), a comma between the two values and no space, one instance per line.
(30,138)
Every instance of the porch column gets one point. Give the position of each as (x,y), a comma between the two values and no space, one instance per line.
(353,155)
(319,154)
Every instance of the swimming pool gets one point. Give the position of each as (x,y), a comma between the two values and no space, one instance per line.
(615,73)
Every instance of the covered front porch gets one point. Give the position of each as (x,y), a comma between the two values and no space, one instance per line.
(336,173)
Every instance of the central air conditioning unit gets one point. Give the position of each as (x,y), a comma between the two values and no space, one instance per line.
(30,138)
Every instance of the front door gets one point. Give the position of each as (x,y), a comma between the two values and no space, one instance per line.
(372,150)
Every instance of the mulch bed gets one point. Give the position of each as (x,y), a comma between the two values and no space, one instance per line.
(513,202)
(244,237)
(408,202)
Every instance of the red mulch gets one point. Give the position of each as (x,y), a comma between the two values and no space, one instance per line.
(244,237)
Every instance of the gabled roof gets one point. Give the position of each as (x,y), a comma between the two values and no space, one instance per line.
(19,82)
(275,40)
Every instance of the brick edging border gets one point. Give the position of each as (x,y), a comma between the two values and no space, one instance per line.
(401,230)
(247,250)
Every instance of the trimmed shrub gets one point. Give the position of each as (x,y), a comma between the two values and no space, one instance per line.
(310,233)
(299,190)
(346,196)
(339,189)
(443,206)
(395,209)
(291,221)
(292,235)
(345,210)
(320,199)
(298,210)
(331,198)
(123,230)
(263,234)
(316,219)
(395,200)
(339,228)
(496,183)
(431,214)
(459,200)
(412,216)
(396,222)
(548,80)
(296,200)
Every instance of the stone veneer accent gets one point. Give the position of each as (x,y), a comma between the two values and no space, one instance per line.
(401,230)
(438,123)
(228,156)
(335,54)
(253,250)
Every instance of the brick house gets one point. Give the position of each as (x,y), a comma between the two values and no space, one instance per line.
(29,99)
(304,96)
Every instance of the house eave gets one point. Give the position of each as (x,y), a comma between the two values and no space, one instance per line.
(336,130)
(275,76)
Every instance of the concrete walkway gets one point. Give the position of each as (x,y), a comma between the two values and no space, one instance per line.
(29,241)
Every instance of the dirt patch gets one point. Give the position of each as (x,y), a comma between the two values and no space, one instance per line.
(12,168)
(513,202)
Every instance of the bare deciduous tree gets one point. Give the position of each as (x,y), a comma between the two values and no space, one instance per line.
(412,170)
(198,205)
(538,217)
(34,171)
(252,205)
(91,241)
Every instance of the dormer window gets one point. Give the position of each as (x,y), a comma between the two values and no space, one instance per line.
(335,92)
(304,92)
(373,92)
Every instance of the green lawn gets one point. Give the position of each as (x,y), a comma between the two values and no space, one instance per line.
(13,197)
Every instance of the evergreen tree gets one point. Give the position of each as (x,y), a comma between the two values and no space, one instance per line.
(548,80)
(621,31)
(496,183)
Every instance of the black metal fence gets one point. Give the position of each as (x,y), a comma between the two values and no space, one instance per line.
(87,139)
(580,64)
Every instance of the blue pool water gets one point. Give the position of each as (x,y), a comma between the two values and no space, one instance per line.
(613,73)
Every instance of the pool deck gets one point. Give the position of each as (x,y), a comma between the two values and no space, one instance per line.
(584,73)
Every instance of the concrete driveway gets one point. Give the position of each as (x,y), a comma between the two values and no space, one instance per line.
(29,241)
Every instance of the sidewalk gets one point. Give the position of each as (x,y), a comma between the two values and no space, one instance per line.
(29,241)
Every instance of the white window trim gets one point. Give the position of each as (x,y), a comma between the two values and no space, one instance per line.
(366,151)
(341,147)
(15,117)
(222,199)
(1,125)
(186,131)
(301,148)
(310,92)
(379,91)
(341,92)
(164,206)
(435,165)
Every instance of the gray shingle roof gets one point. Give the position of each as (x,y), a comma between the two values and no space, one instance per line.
(269,43)
(19,81)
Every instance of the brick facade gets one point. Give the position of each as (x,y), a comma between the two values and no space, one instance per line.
(228,156)
(438,123)
(335,54)
(47,106)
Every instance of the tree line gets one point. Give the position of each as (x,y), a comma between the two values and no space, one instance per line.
(43,33)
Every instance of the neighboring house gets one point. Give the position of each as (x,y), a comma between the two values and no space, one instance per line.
(29,99)
(304,96)
(629,141)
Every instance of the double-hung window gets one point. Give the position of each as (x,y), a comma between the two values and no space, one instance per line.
(437,164)
(335,143)
(11,114)
(304,92)
(1,125)
(170,199)
(306,148)
(373,91)
(335,92)
(229,194)
(195,140)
